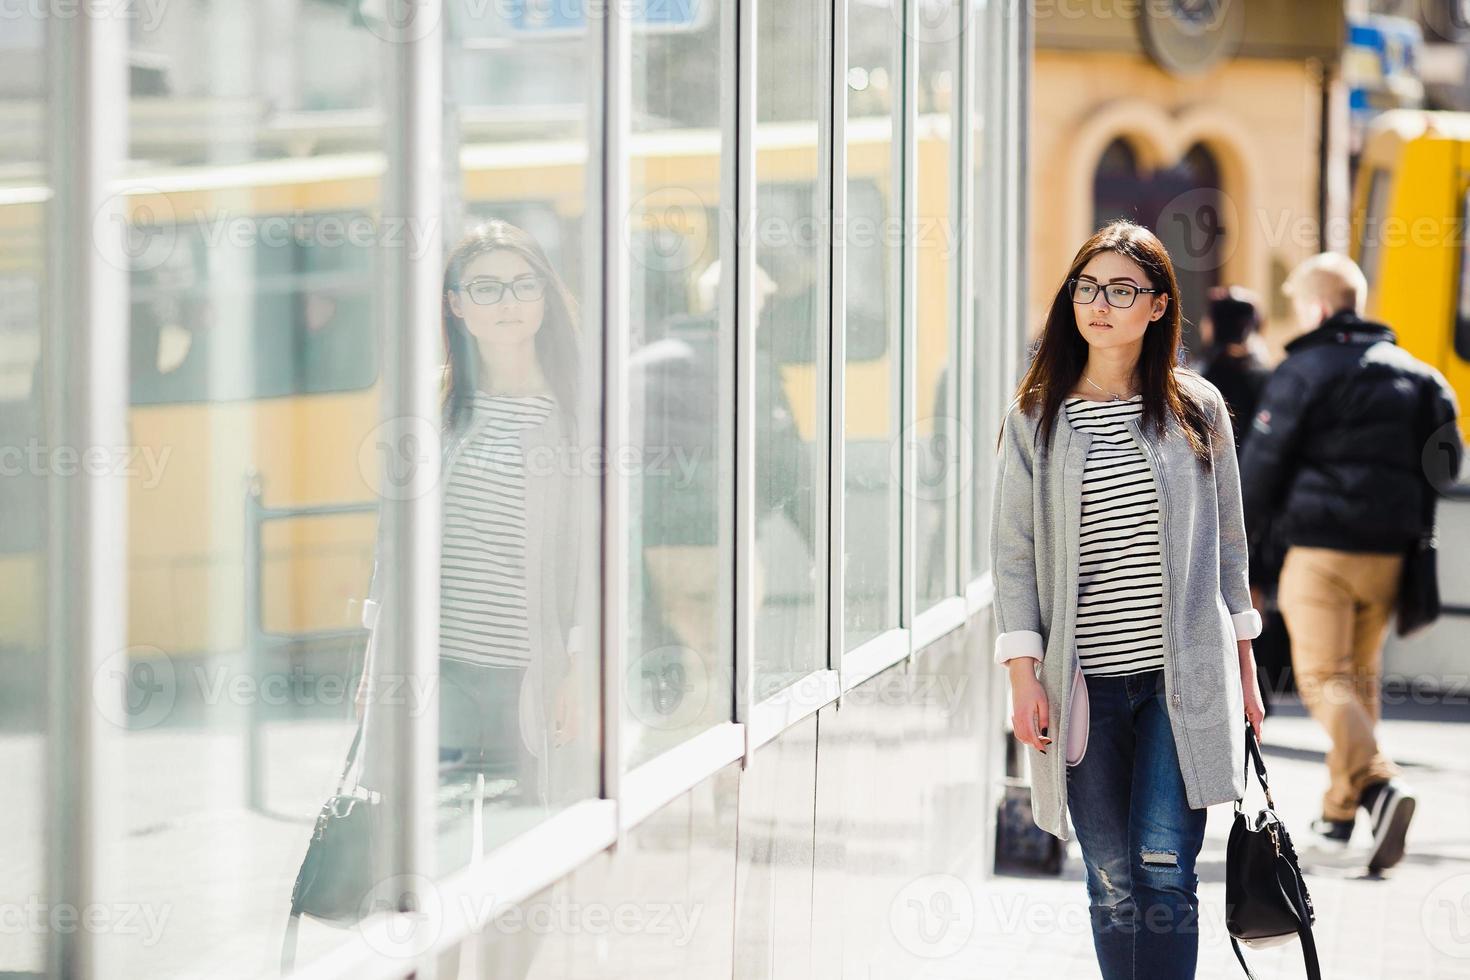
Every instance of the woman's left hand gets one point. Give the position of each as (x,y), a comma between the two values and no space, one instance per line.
(1254,710)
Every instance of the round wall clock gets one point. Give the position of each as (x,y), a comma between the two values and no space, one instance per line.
(1187,37)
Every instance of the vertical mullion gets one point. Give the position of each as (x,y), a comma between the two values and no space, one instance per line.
(1019,75)
(743,217)
(997,325)
(728,228)
(85,405)
(837,400)
(412,194)
(826,323)
(908,315)
(609,50)
(1017,41)
(963,389)
(1007,326)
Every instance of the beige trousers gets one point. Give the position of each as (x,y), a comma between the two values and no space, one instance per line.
(1337,606)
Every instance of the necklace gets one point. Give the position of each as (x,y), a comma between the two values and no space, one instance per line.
(1114,396)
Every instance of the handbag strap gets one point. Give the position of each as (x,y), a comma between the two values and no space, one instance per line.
(351,754)
(1253,754)
(288,943)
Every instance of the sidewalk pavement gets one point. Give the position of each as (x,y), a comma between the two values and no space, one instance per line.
(1413,920)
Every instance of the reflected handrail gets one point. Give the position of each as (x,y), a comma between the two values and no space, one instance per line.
(257,637)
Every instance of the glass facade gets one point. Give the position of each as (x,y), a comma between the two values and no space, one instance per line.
(478,394)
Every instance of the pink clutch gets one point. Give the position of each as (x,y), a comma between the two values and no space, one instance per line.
(1077,720)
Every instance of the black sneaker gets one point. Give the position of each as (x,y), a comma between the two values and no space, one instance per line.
(1332,833)
(1390,807)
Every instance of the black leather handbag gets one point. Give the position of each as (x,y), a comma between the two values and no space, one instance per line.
(338,871)
(1418,598)
(1266,900)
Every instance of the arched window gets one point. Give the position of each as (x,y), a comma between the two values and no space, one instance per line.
(1116,184)
(1181,205)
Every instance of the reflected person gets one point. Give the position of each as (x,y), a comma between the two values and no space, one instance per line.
(511,536)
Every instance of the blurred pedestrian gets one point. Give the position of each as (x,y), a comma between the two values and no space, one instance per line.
(1234,367)
(1335,454)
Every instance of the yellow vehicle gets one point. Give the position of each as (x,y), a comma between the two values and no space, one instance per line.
(262,363)
(1409,234)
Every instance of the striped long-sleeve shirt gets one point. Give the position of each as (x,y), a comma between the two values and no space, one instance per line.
(483,598)
(1120,585)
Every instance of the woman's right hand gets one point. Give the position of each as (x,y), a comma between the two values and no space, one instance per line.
(1030,709)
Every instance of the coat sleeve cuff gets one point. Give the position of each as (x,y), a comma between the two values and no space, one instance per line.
(1247,624)
(1017,643)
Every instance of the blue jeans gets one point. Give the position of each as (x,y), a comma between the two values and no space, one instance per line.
(1139,835)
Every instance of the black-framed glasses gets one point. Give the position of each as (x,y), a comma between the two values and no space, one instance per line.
(1120,295)
(488,291)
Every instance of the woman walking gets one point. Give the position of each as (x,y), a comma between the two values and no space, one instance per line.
(1122,605)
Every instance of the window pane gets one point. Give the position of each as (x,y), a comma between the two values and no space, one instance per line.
(23,489)
(520,678)
(936,428)
(871,506)
(253,366)
(680,666)
(787,379)
(258,244)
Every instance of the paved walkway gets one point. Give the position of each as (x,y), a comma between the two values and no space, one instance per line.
(1411,921)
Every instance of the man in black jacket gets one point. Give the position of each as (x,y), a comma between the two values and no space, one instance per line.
(1337,459)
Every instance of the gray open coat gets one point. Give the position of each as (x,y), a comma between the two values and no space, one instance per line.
(1036,510)
(557,482)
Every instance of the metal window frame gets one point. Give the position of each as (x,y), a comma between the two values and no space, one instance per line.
(85,403)
(895,643)
(744,388)
(908,321)
(408,298)
(1001,346)
(837,346)
(949,613)
(968,342)
(764,718)
(609,59)
(644,788)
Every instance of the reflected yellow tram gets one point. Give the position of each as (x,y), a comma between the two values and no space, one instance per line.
(254,355)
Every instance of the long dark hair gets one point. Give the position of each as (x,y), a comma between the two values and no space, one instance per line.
(558,346)
(1061,352)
